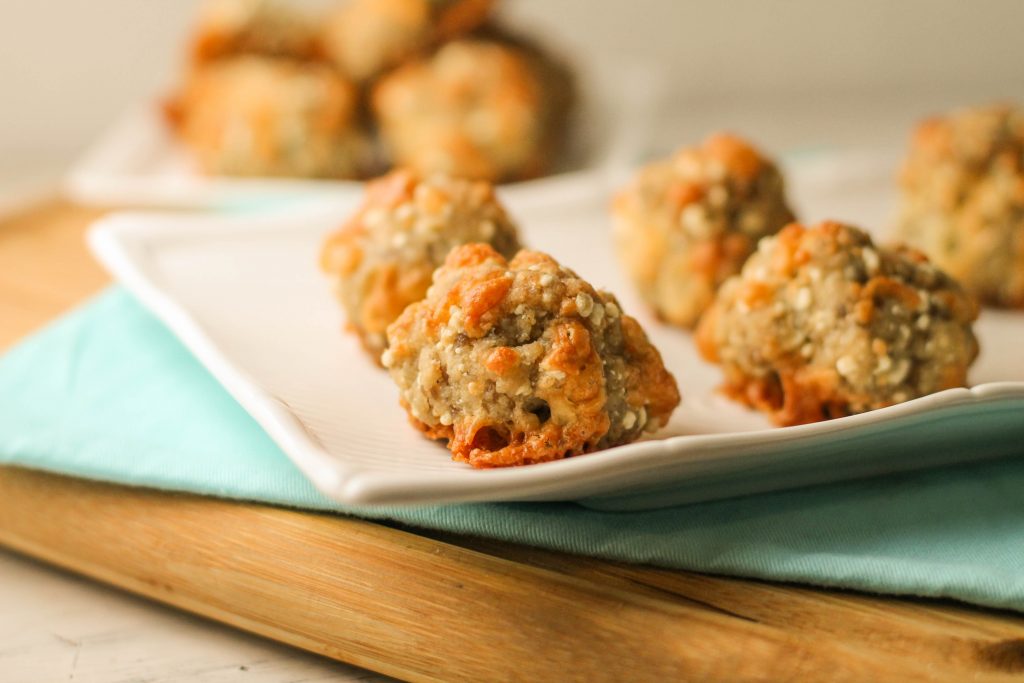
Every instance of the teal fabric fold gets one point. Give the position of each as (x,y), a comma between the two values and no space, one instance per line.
(108,393)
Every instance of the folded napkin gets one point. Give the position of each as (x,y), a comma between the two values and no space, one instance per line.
(108,393)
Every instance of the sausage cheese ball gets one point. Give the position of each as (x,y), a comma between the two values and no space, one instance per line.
(476,109)
(265,27)
(367,37)
(258,116)
(521,362)
(685,224)
(963,199)
(822,324)
(383,258)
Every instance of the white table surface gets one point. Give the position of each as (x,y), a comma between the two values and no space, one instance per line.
(55,626)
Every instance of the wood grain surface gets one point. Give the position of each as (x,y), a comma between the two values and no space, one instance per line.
(44,266)
(428,606)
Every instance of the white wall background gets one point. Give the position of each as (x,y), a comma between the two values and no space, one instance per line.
(67,67)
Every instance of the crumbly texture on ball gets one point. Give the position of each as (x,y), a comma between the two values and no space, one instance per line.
(367,37)
(822,324)
(685,224)
(261,27)
(260,116)
(383,258)
(522,362)
(963,199)
(475,108)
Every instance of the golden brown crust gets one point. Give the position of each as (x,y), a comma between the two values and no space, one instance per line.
(453,19)
(571,353)
(383,257)
(517,362)
(647,382)
(366,38)
(462,97)
(963,199)
(229,28)
(259,116)
(822,324)
(684,225)
(474,109)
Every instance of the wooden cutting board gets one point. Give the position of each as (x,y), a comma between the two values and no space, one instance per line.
(426,606)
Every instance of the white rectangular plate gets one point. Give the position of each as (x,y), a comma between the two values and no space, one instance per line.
(244,294)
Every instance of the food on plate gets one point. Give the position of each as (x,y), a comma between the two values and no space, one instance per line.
(367,37)
(821,323)
(476,108)
(686,223)
(425,84)
(260,116)
(963,199)
(383,257)
(518,362)
(263,27)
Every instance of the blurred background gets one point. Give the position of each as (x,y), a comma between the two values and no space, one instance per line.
(794,73)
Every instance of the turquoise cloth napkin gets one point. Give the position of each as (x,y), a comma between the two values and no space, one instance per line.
(108,393)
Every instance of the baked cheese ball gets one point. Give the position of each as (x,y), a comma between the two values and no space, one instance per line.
(476,109)
(367,37)
(383,258)
(821,324)
(685,224)
(260,116)
(518,362)
(963,199)
(263,27)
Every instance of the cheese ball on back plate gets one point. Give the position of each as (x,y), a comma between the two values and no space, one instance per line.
(264,27)
(262,116)
(383,258)
(685,224)
(477,108)
(523,362)
(367,37)
(822,324)
(963,199)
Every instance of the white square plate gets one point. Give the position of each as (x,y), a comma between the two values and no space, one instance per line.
(244,294)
